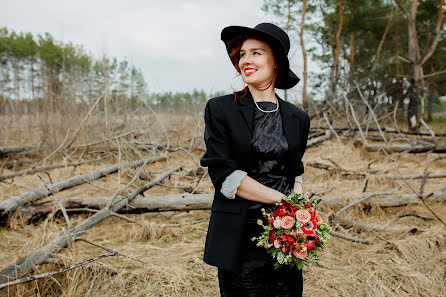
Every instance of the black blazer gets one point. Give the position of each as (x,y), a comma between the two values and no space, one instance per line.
(227,134)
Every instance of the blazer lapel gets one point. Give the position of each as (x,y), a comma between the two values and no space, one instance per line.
(290,125)
(246,108)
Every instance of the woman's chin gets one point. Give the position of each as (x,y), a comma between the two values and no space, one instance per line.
(254,83)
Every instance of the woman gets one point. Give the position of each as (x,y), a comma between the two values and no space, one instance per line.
(255,142)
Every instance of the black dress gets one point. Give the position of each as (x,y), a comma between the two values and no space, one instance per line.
(257,276)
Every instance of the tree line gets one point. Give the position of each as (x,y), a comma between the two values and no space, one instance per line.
(393,49)
(40,74)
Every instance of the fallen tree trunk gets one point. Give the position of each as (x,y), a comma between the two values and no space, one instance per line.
(353,224)
(387,200)
(27,264)
(420,176)
(8,150)
(317,140)
(366,171)
(385,129)
(440,148)
(10,205)
(180,202)
(344,170)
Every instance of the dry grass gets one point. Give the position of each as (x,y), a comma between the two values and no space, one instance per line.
(401,263)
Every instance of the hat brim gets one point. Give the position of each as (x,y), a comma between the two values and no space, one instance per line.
(290,82)
(231,32)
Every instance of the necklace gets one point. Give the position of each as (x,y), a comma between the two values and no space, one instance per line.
(267,111)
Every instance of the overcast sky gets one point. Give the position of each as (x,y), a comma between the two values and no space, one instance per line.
(175,43)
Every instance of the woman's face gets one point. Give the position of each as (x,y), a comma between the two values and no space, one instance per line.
(257,64)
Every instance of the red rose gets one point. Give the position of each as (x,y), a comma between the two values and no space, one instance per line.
(286,240)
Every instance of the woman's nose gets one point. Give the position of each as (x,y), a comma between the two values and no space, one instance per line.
(246,59)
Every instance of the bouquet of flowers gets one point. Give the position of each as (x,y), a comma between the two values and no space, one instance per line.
(294,233)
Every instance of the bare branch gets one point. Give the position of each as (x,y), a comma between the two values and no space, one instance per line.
(64,211)
(371,111)
(434,44)
(29,171)
(434,74)
(50,273)
(354,118)
(110,250)
(351,238)
(429,129)
(406,215)
(401,8)
(353,203)
(331,128)
(55,151)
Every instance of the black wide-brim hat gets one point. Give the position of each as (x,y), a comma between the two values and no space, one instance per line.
(276,38)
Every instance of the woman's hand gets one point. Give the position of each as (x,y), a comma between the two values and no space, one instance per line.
(298,188)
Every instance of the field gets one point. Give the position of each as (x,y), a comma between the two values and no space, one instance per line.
(161,251)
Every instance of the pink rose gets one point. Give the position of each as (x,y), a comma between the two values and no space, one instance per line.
(319,219)
(277,244)
(287,222)
(303,216)
(301,254)
(277,223)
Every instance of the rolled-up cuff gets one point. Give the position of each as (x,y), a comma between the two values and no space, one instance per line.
(299,180)
(231,183)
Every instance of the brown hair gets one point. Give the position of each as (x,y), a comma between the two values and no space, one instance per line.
(233,47)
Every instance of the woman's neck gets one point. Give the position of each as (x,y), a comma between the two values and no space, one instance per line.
(266,95)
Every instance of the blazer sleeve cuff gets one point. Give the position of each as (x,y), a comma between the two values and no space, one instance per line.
(299,180)
(231,183)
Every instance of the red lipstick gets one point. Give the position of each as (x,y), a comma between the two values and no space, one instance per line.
(249,73)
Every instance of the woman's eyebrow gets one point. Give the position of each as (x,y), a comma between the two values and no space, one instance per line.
(253,49)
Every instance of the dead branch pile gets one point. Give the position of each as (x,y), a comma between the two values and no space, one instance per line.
(382,189)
